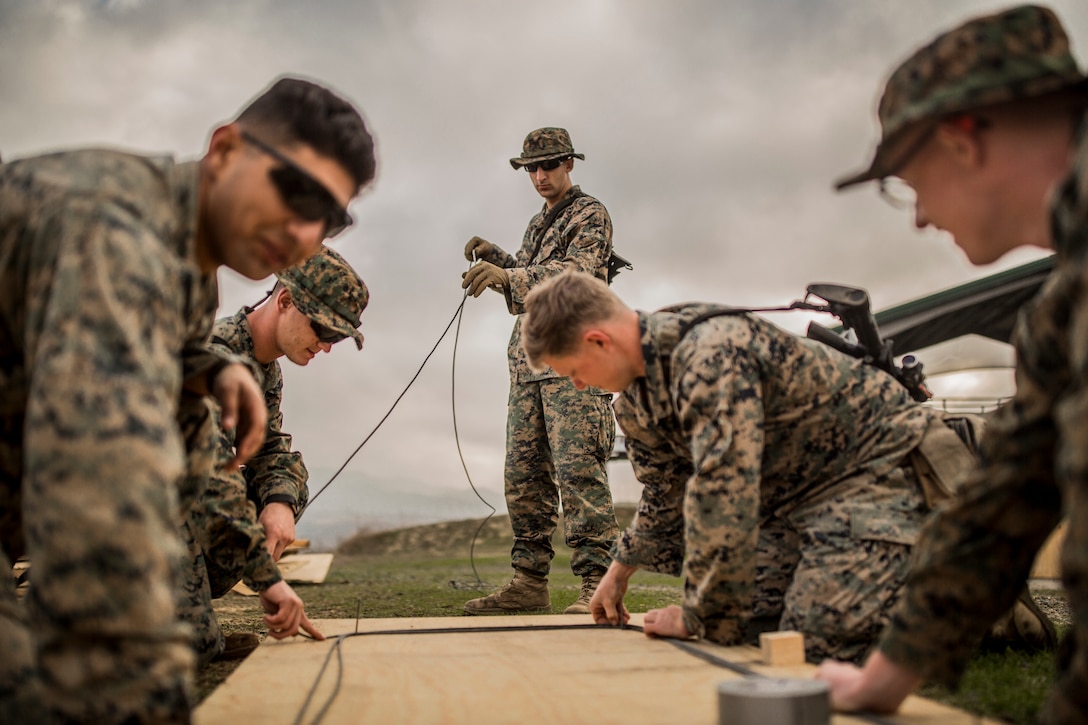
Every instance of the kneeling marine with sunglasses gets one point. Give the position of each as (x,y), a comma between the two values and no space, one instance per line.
(313,306)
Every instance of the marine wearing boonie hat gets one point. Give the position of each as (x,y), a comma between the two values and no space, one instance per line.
(545,144)
(1019,53)
(327,290)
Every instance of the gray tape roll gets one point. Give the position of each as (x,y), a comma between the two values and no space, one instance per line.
(780,701)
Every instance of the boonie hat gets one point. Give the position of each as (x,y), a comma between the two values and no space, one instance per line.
(327,290)
(1019,53)
(544,144)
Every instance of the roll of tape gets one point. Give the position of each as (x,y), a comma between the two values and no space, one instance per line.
(782,701)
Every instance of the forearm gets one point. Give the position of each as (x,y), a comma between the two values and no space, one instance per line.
(721,408)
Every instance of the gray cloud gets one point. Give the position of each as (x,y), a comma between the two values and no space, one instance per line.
(711,130)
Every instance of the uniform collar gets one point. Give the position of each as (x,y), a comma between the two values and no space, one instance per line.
(652,390)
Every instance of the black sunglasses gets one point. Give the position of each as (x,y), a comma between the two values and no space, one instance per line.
(301,192)
(325,334)
(549,165)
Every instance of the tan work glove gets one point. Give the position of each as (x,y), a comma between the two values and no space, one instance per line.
(485,275)
(481,246)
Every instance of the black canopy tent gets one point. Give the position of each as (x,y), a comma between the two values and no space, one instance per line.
(986,307)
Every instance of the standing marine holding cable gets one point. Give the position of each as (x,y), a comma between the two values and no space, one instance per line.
(558,438)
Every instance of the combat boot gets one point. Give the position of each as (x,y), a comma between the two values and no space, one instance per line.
(237,646)
(589,586)
(524,593)
(1025,627)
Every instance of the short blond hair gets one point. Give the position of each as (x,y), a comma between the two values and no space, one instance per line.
(559,310)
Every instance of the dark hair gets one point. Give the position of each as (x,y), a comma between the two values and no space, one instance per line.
(293,110)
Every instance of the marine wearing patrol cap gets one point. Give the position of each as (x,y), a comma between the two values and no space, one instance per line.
(1020,53)
(545,144)
(326,289)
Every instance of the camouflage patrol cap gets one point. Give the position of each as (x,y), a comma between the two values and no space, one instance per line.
(544,144)
(327,290)
(1019,53)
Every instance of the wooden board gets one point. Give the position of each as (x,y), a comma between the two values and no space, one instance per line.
(1047,564)
(296,569)
(516,672)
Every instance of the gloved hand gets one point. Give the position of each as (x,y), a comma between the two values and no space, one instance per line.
(481,246)
(485,275)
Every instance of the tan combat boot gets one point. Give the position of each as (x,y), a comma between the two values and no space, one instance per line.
(525,593)
(589,585)
(1025,627)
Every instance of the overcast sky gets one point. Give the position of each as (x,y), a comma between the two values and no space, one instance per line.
(712,131)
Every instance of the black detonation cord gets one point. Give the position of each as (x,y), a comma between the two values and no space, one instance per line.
(457,438)
(479,583)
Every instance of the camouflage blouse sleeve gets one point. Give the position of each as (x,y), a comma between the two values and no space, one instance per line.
(198,358)
(655,538)
(719,405)
(276,472)
(501,258)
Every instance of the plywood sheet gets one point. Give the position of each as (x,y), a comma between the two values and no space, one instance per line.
(296,569)
(523,669)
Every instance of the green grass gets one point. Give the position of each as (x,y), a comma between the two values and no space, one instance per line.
(1009,686)
(412,574)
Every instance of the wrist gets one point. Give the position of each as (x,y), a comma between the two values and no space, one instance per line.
(285,499)
(621,571)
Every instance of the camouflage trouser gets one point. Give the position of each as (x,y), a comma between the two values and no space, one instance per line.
(558,441)
(208,575)
(96,638)
(832,566)
(204,578)
(195,601)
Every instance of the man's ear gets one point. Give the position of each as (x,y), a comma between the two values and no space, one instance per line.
(225,142)
(964,146)
(283,299)
(596,336)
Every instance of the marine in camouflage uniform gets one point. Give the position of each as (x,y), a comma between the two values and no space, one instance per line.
(784,480)
(976,554)
(776,480)
(91,380)
(558,439)
(224,534)
(107,295)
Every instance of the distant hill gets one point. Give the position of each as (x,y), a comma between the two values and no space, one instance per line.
(452,538)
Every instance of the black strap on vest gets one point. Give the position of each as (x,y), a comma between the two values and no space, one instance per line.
(554,212)
(616,263)
(720,312)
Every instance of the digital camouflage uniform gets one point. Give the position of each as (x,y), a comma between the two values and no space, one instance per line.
(225,538)
(103,314)
(776,480)
(557,435)
(974,557)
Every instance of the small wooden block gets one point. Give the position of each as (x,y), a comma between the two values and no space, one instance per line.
(782,649)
